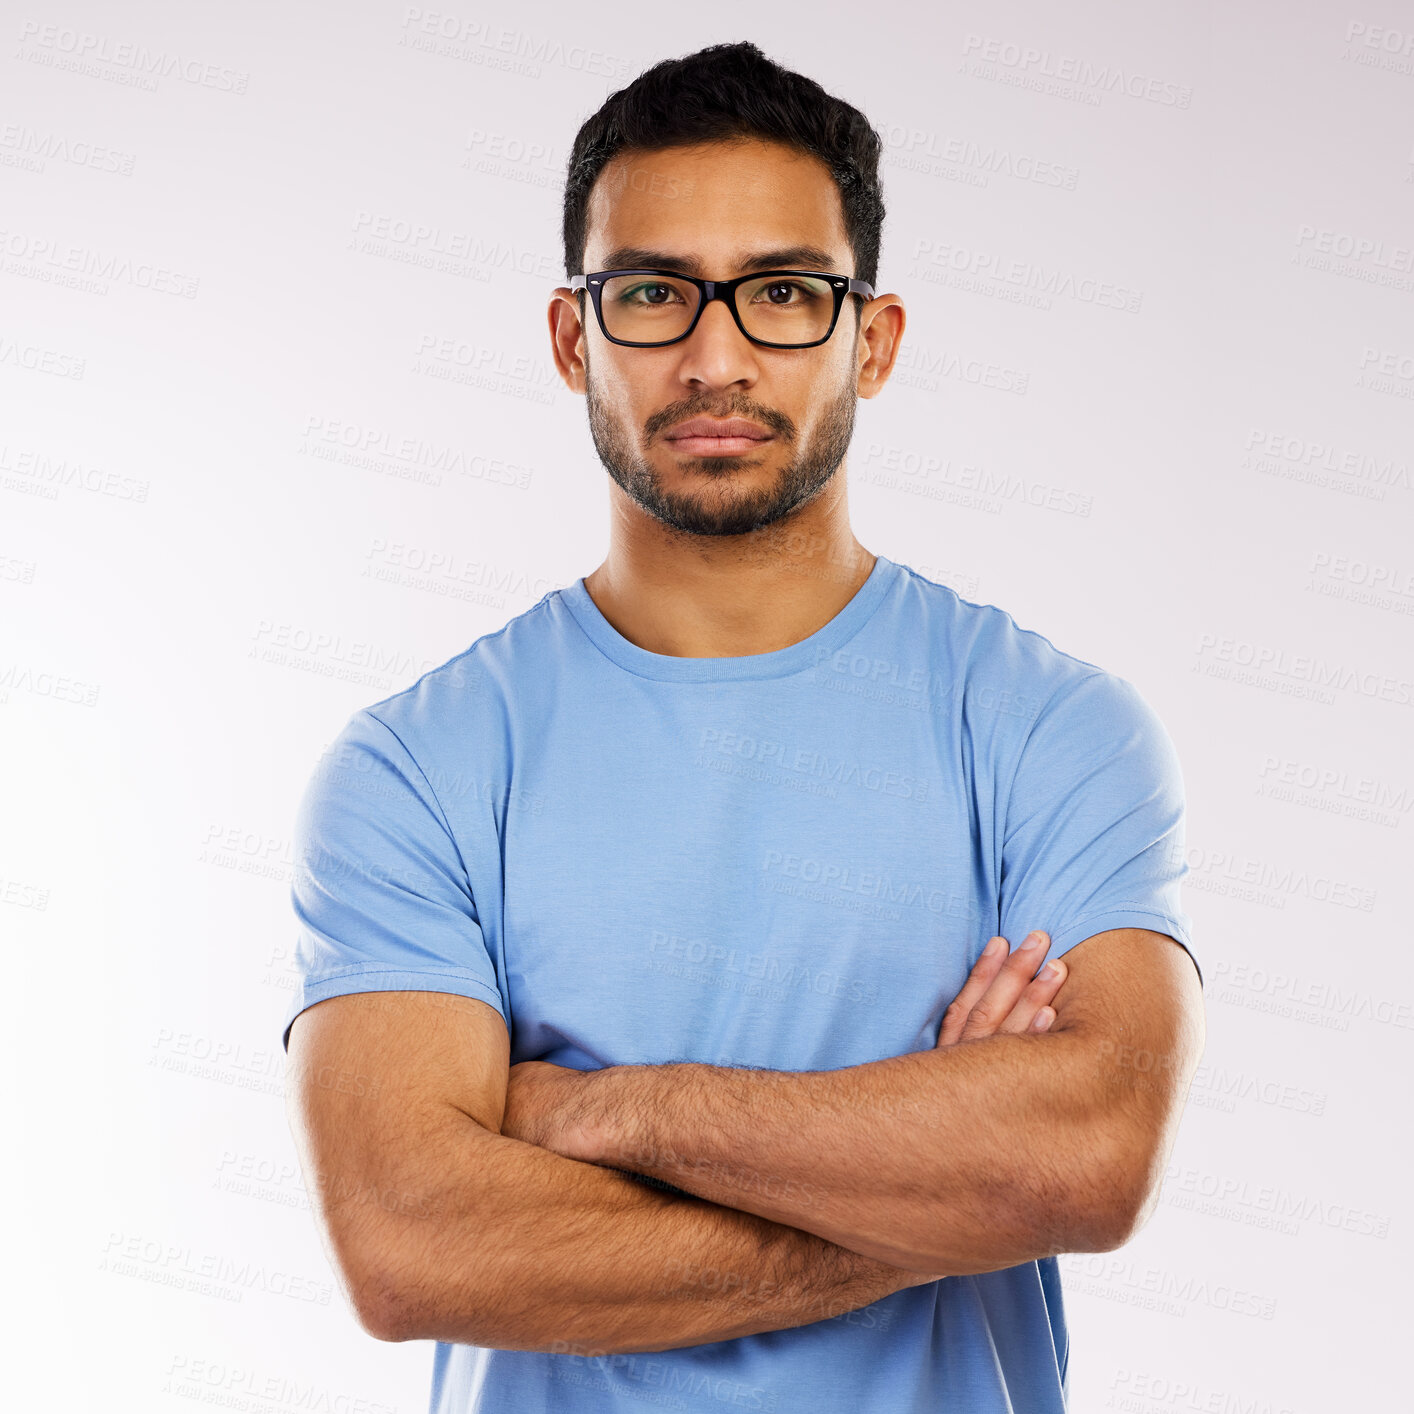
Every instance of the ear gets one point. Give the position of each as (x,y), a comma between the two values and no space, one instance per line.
(881,324)
(567,336)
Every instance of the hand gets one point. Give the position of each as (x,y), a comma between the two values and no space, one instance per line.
(545,1107)
(1002,995)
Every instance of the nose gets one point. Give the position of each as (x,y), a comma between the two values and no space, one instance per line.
(716,353)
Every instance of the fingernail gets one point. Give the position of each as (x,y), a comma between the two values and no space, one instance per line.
(1042,1019)
(1050,972)
(1033,940)
(994,947)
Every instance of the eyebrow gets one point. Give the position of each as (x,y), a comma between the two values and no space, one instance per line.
(795,257)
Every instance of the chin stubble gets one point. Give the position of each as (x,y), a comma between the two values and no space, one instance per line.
(719,508)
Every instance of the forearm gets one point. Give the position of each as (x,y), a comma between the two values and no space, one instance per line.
(960,1160)
(527,1250)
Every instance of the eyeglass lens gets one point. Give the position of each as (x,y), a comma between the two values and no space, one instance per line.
(779,309)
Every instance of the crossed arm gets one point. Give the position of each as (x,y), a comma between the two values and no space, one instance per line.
(967,1158)
(450,1215)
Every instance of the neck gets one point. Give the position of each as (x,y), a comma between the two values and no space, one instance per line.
(694,596)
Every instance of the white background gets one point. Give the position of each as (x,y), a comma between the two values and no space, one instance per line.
(215,544)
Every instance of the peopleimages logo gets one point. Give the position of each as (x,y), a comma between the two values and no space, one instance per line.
(809,762)
(1032,64)
(1267,665)
(875,883)
(1282,880)
(453,37)
(57,46)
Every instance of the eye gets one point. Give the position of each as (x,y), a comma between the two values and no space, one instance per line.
(657,287)
(778,293)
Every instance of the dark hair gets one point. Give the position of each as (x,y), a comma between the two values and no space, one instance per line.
(725,92)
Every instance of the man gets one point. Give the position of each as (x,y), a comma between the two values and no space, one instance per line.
(647,1049)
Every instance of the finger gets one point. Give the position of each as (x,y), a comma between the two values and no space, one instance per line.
(1005,989)
(1035,997)
(978,980)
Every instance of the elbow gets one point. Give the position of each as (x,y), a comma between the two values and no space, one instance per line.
(382,1309)
(396,1308)
(1132,1211)
(370,1274)
(383,1325)
(390,1296)
(1106,1227)
(1115,1202)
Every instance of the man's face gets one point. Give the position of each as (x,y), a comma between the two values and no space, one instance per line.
(706,211)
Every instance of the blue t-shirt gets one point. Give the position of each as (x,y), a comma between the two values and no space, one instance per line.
(787,860)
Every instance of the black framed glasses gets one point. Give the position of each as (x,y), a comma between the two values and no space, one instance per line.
(781,309)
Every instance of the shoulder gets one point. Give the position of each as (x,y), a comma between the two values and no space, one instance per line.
(1028,703)
(1003,668)
(470,695)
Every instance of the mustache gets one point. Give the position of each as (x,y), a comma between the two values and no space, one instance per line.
(771,420)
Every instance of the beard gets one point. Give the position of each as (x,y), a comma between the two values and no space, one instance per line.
(720,507)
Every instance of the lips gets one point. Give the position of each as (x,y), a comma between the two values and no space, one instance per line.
(731,427)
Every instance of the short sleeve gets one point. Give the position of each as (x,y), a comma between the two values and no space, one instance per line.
(1094,823)
(380,893)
